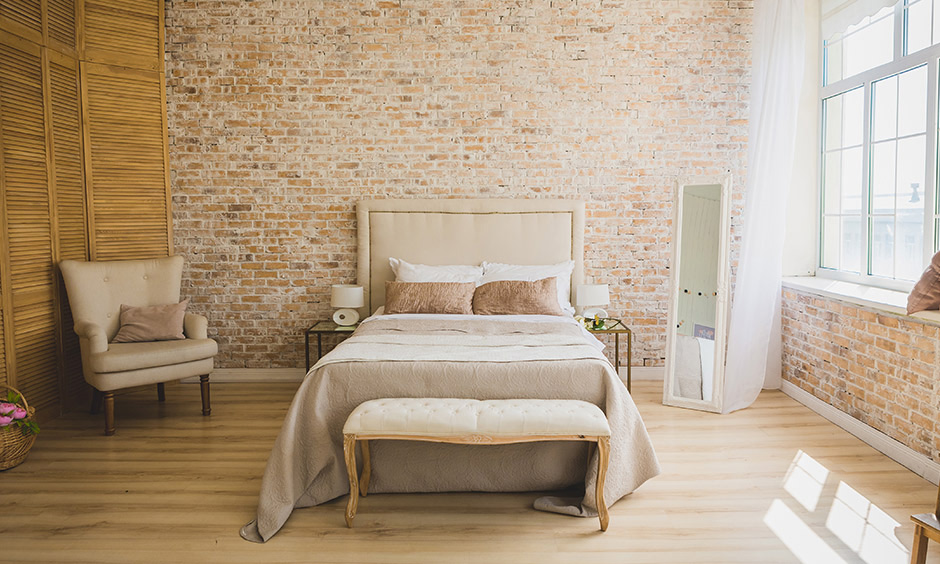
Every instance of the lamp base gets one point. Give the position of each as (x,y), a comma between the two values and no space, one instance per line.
(591,312)
(345,317)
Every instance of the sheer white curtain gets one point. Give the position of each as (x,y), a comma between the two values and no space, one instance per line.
(778,64)
(838,15)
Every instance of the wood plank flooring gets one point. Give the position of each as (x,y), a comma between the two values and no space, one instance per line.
(773,483)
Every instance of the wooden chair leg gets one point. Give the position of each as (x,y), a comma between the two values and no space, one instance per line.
(95,402)
(161,392)
(366,469)
(603,458)
(109,413)
(204,389)
(919,547)
(349,450)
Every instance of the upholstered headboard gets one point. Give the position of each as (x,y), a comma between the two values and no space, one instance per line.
(441,232)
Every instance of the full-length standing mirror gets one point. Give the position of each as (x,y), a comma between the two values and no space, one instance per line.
(699,294)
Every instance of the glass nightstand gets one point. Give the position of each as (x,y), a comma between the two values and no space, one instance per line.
(616,328)
(321,328)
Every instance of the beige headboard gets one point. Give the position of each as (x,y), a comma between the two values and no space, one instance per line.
(465,232)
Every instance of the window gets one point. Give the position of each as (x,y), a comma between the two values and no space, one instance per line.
(879,220)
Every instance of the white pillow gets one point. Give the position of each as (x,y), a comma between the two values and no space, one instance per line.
(493,271)
(407,272)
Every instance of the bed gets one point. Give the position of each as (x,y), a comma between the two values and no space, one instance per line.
(463,356)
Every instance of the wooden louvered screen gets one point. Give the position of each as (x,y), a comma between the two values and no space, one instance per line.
(22,17)
(83,170)
(61,20)
(126,163)
(29,252)
(124,32)
(69,203)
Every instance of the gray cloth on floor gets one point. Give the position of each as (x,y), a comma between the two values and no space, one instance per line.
(475,358)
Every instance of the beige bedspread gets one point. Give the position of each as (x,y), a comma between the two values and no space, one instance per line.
(471,358)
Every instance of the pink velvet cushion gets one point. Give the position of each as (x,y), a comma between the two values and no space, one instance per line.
(926,293)
(429,297)
(517,297)
(151,323)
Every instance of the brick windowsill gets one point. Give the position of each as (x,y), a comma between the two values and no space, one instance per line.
(889,301)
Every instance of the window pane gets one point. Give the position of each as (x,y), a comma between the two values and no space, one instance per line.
(831,238)
(852,180)
(912,101)
(832,183)
(884,101)
(910,244)
(936,24)
(869,47)
(882,246)
(918,26)
(853,120)
(834,62)
(851,243)
(911,154)
(883,177)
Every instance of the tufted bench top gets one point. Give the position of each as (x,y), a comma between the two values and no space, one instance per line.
(442,417)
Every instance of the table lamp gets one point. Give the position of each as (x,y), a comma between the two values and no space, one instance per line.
(346,297)
(591,297)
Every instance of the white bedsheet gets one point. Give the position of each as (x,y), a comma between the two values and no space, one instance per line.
(380,312)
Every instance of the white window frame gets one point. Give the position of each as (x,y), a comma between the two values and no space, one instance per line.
(900,63)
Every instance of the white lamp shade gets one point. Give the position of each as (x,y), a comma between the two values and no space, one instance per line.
(347,295)
(589,295)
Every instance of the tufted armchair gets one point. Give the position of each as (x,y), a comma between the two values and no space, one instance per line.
(96,291)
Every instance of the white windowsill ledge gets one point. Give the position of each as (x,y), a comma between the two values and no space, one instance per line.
(889,301)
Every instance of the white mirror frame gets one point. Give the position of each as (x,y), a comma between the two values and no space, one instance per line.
(722,307)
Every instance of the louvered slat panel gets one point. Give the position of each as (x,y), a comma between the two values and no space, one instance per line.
(124,32)
(28,224)
(128,169)
(22,17)
(70,205)
(61,18)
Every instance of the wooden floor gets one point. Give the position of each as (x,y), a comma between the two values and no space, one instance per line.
(773,483)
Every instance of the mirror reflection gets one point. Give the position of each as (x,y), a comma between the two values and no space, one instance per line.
(698,291)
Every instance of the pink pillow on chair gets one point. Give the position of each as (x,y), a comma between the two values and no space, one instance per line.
(926,293)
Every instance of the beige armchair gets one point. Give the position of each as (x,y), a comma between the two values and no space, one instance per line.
(96,291)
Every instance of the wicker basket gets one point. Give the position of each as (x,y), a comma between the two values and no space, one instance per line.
(14,445)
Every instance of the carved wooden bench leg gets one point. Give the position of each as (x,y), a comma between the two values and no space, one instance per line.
(919,548)
(349,451)
(366,469)
(603,458)
(108,413)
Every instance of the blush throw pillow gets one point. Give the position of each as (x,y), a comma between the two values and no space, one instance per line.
(493,271)
(151,323)
(926,293)
(429,297)
(517,297)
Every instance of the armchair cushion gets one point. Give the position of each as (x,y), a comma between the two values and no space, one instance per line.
(122,357)
(151,323)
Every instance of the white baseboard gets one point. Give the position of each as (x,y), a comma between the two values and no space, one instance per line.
(900,453)
(644,373)
(252,375)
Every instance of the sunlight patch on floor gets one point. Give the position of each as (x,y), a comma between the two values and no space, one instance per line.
(856,522)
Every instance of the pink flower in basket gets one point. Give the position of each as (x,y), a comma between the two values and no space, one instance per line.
(7,408)
(19,413)
(5,420)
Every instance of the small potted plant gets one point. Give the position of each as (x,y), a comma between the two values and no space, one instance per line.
(17,429)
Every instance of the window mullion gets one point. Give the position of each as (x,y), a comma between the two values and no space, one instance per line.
(865,219)
(930,175)
(899,31)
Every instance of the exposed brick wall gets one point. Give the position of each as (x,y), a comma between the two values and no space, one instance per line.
(879,368)
(283,113)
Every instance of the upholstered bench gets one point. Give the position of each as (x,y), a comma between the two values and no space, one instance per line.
(467,421)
